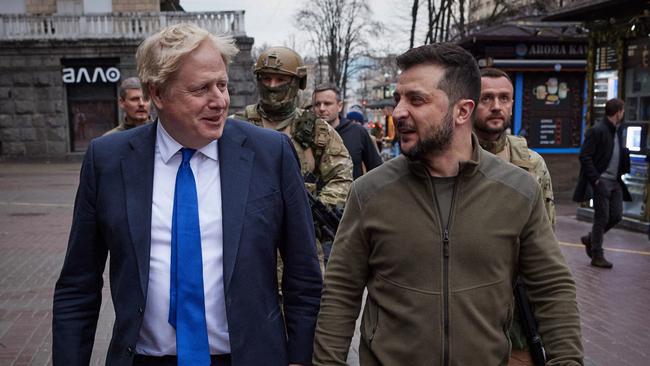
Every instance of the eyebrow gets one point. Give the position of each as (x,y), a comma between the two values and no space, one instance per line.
(410,93)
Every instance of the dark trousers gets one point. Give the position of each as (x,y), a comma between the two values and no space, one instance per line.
(141,360)
(608,211)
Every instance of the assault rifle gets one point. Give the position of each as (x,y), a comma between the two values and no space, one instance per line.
(326,219)
(529,324)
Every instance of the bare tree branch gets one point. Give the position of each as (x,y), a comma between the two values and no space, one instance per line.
(414,18)
(339,30)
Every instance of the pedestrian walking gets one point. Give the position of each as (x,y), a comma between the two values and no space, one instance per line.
(192,210)
(440,265)
(603,160)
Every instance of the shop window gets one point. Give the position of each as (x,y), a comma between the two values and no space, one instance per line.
(637,81)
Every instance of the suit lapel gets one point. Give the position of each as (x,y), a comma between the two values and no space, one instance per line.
(235,164)
(137,174)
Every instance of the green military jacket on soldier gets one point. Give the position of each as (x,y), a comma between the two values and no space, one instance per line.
(531,161)
(320,150)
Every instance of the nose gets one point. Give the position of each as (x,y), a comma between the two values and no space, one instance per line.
(497,105)
(399,112)
(275,82)
(218,99)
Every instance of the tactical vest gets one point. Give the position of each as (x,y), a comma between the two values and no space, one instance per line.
(307,130)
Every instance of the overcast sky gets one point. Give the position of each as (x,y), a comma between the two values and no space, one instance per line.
(271,21)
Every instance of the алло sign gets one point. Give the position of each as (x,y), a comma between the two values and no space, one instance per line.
(78,75)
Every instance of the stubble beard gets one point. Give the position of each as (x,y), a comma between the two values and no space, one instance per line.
(484,129)
(436,141)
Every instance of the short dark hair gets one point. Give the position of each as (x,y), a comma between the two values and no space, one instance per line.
(490,72)
(129,83)
(328,86)
(613,106)
(461,79)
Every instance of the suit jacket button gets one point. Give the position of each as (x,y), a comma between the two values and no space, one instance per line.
(140,310)
(129,350)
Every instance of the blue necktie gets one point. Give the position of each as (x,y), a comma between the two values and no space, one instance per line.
(186,300)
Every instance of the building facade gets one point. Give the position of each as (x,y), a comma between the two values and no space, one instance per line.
(61,62)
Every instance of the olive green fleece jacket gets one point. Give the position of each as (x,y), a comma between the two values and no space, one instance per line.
(433,301)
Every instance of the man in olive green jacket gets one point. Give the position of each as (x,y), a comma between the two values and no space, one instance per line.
(437,236)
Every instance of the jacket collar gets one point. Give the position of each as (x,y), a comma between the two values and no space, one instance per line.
(609,124)
(343,124)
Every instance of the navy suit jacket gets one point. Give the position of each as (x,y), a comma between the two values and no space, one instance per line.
(265,208)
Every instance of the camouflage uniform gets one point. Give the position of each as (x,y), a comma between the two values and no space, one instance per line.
(515,150)
(320,149)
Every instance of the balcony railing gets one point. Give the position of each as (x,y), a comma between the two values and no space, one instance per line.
(114,26)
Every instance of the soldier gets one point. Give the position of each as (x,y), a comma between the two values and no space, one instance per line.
(491,120)
(134,104)
(280,73)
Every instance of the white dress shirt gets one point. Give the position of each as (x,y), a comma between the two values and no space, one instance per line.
(157,336)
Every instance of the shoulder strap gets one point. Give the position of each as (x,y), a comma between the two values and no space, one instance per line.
(250,114)
(309,131)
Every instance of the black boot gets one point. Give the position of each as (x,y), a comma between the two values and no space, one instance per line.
(586,241)
(601,262)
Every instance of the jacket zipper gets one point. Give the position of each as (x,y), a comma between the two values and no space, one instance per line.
(445,267)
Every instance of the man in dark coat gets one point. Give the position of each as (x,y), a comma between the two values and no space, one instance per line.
(327,104)
(603,159)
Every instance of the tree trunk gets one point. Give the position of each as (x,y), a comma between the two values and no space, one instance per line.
(431,7)
(414,17)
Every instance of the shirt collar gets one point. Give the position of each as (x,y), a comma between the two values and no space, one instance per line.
(169,147)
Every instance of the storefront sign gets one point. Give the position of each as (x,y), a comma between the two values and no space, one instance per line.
(557,50)
(638,53)
(606,58)
(538,50)
(552,106)
(73,75)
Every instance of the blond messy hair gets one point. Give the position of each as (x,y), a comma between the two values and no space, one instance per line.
(160,54)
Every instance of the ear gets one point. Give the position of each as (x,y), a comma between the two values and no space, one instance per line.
(463,111)
(155,94)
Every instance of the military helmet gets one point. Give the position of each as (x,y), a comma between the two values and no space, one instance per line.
(282,60)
